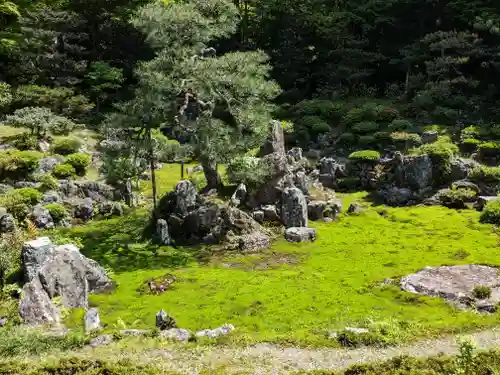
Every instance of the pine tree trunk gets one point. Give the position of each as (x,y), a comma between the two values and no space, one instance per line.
(214,180)
(152,167)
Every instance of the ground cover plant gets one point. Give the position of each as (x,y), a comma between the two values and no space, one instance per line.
(297,294)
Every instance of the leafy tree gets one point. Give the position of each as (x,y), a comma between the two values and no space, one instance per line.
(103,80)
(221,103)
(40,121)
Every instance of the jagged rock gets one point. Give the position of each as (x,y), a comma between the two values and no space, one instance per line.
(97,191)
(354,208)
(295,154)
(417,172)
(484,200)
(135,332)
(300,180)
(176,334)
(199,222)
(213,333)
(394,196)
(101,340)
(111,208)
(7,222)
(196,168)
(294,208)
(454,283)
(270,212)
(25,184)
(258,216)
(185,197)
(92,320)
(4,188)
(460,168)
(43,146)
(84,209)
(276,143)
(3,321)
(240,195)
(429,136)
(254,241)
(36,308)
(51,197)
(164,321)
(300,234)
(59,271)
(162,236)
(68,188)
(47,164)
(41,217)
(357,331)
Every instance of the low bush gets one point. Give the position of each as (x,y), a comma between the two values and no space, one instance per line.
(469,145)
(64,171)
(80,163)
(253,172)
(491,213)
(365,156)
(400,125)
(457,198)
(314,125)
(347,184)
(441,154)
(57,211)
(384,137)
(347,139)
(171,151)
(325,109)
(470,132)
(482,292)
(67,146)
(404,141)
(387,114)
(489,150)
(365,127)
(24,141)
(29,195)
(485,174)
(18,201)
(365,112)
(367,141)
(18,165)
(47,182)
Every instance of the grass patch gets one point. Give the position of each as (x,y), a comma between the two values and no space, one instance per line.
(319,287)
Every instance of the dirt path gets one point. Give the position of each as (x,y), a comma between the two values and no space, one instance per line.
(272,360)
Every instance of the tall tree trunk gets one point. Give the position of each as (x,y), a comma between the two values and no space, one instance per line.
(214,180)
(152,168)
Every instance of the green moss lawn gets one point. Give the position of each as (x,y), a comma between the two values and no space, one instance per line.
(296,294)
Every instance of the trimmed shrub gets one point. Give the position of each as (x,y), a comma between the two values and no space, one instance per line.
(489,150)
(63,171)
(24,141)
(404,140)
(491,213)
(47,182)
(485,174)
(457,198)
(29,195)
(249,170)
(365,127)
(469,145)
(314,124)
(382,136)
(366,112)
(367,140)
(495,131)
(400,125)
(347,139)
(57,211)
(18,201)
(441,154)
(482,292)
(316,107)
(387,114)
(365,156)
(67,146)
(470,132)
(80,162)
(348,183)
(18,165)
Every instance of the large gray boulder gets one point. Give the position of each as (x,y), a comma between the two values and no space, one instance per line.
(58,271)
(47,164)
(41,217)
(418,172)
(294,208)
(162,236)
(164,321)
(185,197)
(84,209)
(276,142)
(300,234)
(36,307)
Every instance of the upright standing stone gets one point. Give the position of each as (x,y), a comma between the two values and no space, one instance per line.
(92,320)
(294,208)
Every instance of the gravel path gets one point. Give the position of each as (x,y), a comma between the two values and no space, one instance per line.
(266,359)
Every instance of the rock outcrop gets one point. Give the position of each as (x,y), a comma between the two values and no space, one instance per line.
(57,271)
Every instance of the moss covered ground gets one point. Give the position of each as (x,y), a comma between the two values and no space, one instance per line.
(296,294)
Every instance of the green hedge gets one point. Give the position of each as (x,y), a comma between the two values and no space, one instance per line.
(365,156)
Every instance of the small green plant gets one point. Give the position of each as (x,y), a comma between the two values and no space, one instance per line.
(253,172)
(18,164)
(347,139)
(365,127)
(489,150)
(367,141)
(491,213)
(80,163)
(471,132)
(365,156)
(57,211)
(47,182)
(66,146)
(400,125)
(464,363)
(64,171)
(403,140)
(469,145)
(485,174)
(482,292)
(29,195)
